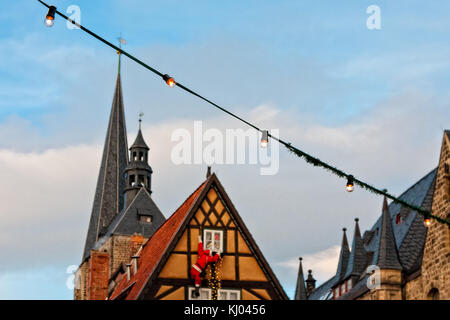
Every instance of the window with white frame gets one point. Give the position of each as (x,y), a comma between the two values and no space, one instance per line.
(205,294)
(228,294)
(213,240)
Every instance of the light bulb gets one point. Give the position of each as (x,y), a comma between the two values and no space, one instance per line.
(169,80)
(350,184)
(49,22)
(264,139)
(50,17)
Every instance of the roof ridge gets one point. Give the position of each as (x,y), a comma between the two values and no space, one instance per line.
(417,182)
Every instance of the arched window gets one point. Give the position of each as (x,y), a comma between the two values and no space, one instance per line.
(141,156)
(433,294)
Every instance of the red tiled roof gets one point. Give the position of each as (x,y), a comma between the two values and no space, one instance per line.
(154,249)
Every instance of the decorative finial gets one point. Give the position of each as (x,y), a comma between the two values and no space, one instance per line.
(141,114)
(356,219)
(121,41)
(300,258)
(208,172)
(344,229)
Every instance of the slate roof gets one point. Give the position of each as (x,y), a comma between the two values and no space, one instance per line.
(108,199)
(386,257)
(358,256)
(127,222)
(323,291)
(343,257)
(403,243)
(300,289)
(139,142)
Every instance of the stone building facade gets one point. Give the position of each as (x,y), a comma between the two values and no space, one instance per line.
(399,258)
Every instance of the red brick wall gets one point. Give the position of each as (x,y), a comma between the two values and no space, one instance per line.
(98,276)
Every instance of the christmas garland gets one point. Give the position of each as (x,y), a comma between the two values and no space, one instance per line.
(318,163)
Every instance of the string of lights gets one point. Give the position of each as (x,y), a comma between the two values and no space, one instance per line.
(170,81)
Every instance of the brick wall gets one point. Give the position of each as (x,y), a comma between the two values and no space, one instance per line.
(98,275)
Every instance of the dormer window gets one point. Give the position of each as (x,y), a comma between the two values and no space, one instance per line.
(146,219)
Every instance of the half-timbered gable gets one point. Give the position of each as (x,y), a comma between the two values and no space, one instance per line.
(163,267)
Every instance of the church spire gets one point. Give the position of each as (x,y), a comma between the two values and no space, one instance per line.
(387,256)
(300,290)
(343,256)
(108,199)
(358,256)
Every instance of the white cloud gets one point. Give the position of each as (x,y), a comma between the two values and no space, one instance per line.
(322,263)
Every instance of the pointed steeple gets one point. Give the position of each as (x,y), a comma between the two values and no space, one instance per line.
(300,289)
(387,255)
(108,199)
(343,257)
(358,256)
(138,173)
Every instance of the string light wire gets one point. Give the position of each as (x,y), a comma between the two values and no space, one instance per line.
(301,154)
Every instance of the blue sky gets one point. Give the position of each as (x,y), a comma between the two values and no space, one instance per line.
(359,98)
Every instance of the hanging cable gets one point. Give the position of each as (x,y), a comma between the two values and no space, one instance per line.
(309,159)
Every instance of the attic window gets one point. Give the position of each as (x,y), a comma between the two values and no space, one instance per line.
(213,239)
(146,219)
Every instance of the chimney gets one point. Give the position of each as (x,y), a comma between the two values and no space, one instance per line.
(134,259)
(310,283)
(128,271)
(98,275)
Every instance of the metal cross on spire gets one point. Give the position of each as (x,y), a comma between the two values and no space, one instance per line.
(141,114)
(122,41)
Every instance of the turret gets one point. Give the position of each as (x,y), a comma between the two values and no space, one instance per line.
(138,173)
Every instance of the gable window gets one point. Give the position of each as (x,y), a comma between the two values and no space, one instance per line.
(213,240)
(146,219)
(228,294)
(205,294)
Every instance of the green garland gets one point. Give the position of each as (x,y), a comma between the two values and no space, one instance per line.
(318,163)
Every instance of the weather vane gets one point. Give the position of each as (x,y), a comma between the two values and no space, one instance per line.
(122,41)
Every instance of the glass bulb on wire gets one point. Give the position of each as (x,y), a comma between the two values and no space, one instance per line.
(264,139)
(50,17)
(169,80)
(350,186)
(427,221)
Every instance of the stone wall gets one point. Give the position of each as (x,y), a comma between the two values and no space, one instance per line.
(435,265)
